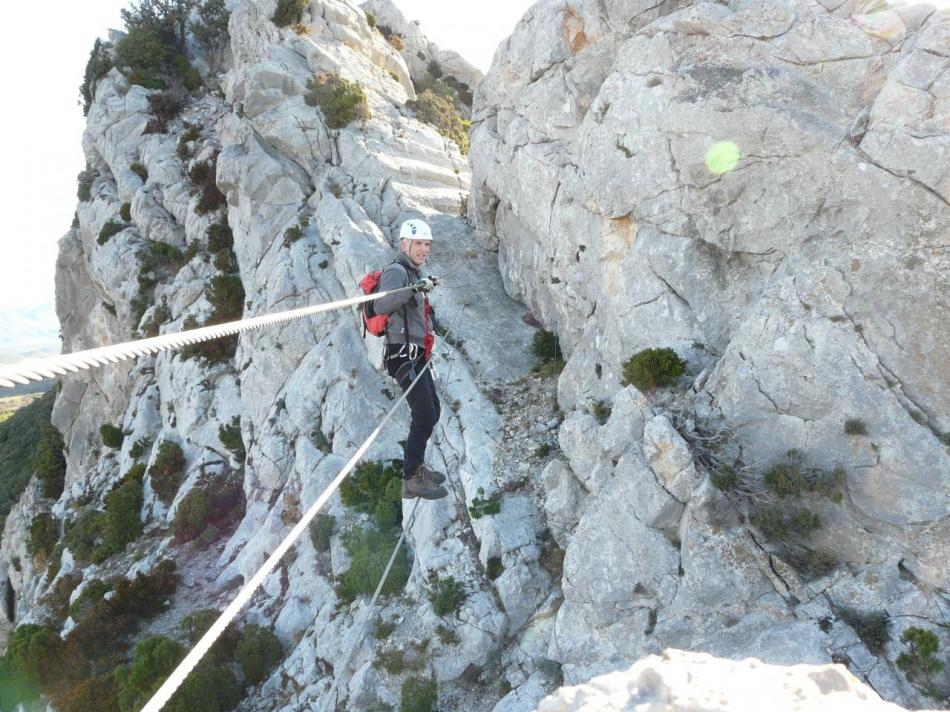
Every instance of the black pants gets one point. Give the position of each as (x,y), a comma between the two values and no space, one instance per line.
(423,405)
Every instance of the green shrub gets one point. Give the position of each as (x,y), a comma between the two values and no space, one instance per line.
(197,624)
(855,426)
(441,113)
(371,19)
(186,73)
(482,506)
(57,599)
(15,688)
(209,688)
(793,478)
(341,101)
(151,326)
(919,663)
(321,530)
(447,595)
(144,57)
(375,488)
(258,653)
(34,652)
(418,695)
(552,672)
(111,436)
(97,67)
(83,534)
(166,106)
(125,212)
(783,522)
(154,660)
(226,296)
(724,478)
(209,509)
(369,551)
(230,437)
(203,177)
(601,410)
(383,629)
(157,261)
(112,227)
(139,170)
(47,462)
(447,635)
(214,351)
(192,133)
(546,346)
(44,533)
(211,31)
(653,368)
(140,447)
(288,12)
(226,261)
(167,471)
(871,628)
(219,236)
(91,594)
(168,19)
(295,232)
(122,523)
(84,181)
(542,451)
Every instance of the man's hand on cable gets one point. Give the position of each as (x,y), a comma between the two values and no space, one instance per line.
(427,284)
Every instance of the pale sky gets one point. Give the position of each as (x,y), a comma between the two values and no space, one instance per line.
(42,58)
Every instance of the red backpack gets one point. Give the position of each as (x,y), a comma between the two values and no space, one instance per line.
(373,323)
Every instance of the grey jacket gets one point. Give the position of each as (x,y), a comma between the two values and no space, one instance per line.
(396,275)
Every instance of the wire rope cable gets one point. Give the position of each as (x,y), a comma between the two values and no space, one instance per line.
(164,693)
(50,367)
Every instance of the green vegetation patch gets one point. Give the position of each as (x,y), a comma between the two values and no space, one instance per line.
(341,101)
(418,694)
(374,488)
(650,369)
(258,653)
(111,436)
(482,506)
(211,507)
(779,522)
(91,594)
(203,177)
(289,12)
(44,533)
(97,66)
(84,184)
(321,530)
(230,437)
(793,477)
(154,660)
(441,113)
(919,662)
(446,595)
(369,550)
(112,227)
(168,470)
(871,627)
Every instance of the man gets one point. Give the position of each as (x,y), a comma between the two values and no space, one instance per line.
(408,348)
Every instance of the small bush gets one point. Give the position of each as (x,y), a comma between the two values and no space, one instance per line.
(341,101)
(125,212)
(418,695)
(371,19)
(482,506)
(226,261)
(111,436)
(447,595)
(167,471)
(855,426)
(601,410)
(112,227)
(494,568)
(552,672)
(546,346)
(871,628)
(209,509)
(209,688)
(369,551)
(226,296)
(441,113)
(919,663)
(97,67)
(34,652)
(139,170)
(542,451)
(122,523)
(724,478)
(219,236)
(48,462)
(140,447)
(321,530)
(203,177)
(230,437)
(144,57)
(154,660)
(84,180)
(195,625)
(213,351)
(160,316)
(91,594)
(83,534)
(375,488)
(44,533)
(650,369)
(792,477)
(782,522)
(258,653)
(383,629)
(447,635)
(288,12)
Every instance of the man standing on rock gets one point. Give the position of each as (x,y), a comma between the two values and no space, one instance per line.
(409,342)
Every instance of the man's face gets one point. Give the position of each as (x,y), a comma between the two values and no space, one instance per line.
(418,251)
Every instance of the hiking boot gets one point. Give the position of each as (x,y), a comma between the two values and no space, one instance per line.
(433,475)
(419,484)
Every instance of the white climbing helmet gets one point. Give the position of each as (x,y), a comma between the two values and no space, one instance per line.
(415,230)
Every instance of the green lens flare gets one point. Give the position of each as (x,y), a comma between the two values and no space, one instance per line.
(722,157)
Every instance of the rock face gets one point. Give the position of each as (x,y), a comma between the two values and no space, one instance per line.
(583,525)
(678,681)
